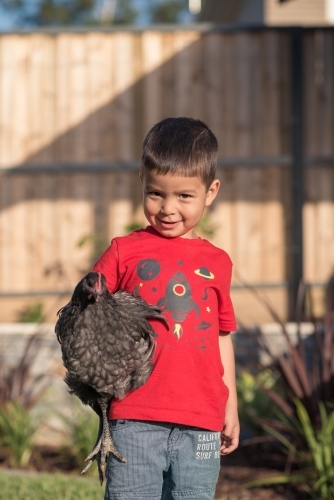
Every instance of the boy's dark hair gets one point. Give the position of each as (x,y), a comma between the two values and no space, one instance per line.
(181,146)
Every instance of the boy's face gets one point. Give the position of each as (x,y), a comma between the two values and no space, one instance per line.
(173,205)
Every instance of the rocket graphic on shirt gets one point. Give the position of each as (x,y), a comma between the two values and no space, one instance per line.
(178,301)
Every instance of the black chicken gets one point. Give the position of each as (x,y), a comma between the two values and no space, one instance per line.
(107,346)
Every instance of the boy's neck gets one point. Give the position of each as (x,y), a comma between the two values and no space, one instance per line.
(193,237)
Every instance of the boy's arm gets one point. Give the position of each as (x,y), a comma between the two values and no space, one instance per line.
(232,426)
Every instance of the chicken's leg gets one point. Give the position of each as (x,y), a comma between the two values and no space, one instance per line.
(97,456)
(104,444)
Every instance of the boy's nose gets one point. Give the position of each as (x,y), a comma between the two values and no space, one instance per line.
(167,207)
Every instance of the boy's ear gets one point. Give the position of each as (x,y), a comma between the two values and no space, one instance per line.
(212,192)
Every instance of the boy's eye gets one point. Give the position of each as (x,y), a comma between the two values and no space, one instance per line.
(154,193)
(185,196)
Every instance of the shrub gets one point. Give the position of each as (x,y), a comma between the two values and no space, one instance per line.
(32,313)
(17,432)
(82,428)
(253,402)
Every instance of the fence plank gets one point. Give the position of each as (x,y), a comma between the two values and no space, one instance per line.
(183,42)
(269,141)
(63,123)
(152,44)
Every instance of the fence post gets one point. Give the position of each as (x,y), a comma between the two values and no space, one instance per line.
(296,38)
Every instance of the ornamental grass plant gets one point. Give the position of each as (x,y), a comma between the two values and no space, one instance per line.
(315,457)
(17,432)
(18,382)
(302,372)
(301,414)
(20,391)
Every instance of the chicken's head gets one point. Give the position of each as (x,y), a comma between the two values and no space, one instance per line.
(93,286)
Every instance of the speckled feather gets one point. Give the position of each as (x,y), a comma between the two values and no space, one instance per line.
(107,345)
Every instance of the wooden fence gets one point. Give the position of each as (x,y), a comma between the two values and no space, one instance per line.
(74,109)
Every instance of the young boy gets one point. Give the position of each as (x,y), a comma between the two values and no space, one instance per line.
(170,429)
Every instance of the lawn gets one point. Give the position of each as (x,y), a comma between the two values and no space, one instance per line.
(46,486)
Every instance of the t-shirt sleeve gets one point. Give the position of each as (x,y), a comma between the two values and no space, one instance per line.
(226,312)
(108,264)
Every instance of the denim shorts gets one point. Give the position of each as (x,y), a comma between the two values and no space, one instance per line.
(164,462)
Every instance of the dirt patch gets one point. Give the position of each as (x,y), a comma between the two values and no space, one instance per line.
(251,463)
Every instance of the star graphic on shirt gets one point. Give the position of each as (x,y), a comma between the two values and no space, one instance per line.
(180,263)
(154,289)
(208,309)
(140,284)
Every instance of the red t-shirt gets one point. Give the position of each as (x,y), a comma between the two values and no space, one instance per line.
(189,279)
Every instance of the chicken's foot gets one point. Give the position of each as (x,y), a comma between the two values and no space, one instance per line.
(104,445)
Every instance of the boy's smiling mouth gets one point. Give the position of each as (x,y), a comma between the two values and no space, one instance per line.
(168,224)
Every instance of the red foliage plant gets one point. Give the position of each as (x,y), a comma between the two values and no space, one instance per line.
(304,372)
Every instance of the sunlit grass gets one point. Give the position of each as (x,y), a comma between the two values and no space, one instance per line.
(46,486)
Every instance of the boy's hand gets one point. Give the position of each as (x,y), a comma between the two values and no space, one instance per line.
(230,434)
(231,430)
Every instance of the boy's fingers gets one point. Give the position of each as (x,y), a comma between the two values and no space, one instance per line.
(225,450)
(229,441)
(225,440)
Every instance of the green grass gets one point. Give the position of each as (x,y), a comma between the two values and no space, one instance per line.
(48,486)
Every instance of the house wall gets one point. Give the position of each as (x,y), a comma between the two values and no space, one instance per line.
(269,12)
(295,12)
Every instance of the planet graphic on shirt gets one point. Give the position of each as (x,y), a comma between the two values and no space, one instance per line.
(148,269)
(204,325)
(205,273)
